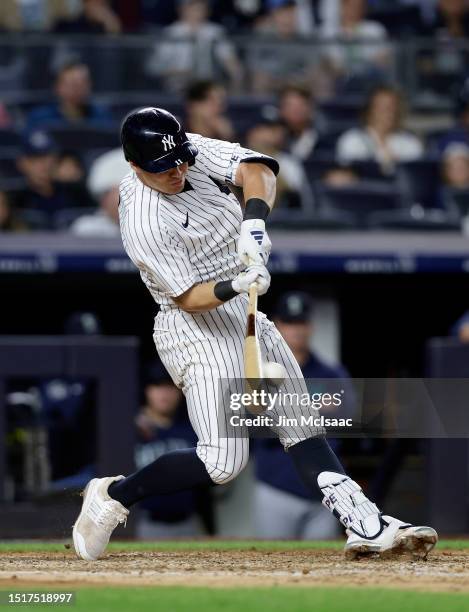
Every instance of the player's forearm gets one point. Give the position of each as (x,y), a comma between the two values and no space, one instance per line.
(199,298)
(258,183)
(207,296)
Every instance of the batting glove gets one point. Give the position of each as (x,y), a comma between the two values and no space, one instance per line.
(254,244)
(256,273)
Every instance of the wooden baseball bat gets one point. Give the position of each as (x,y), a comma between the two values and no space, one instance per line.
(252,351)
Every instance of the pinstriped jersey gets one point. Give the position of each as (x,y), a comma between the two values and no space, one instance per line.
(177,241)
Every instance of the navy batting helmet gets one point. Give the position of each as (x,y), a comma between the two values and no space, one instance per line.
(154,140)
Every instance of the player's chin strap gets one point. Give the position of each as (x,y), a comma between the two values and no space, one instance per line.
(345,499)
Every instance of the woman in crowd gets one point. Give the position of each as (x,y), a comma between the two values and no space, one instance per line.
(381,138)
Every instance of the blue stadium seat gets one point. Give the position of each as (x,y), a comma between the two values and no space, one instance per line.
(357,201)
(9,139)
(399,20)
(317,166)
(84,137)
(419,182)
(12,184)
(432,139)
(8,168)
(426,220)
(299,220)
(327,142)
(370,171)
(457,201)
(340,114)
(34,219)
(23,102)
(123,104)
(64,218)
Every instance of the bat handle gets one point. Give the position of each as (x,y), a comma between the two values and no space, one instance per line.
(252,291)
(252,308)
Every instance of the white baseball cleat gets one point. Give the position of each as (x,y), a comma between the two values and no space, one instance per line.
(395,538)
(99,516)
(369,532)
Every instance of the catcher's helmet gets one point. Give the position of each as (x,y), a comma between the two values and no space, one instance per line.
(154,140)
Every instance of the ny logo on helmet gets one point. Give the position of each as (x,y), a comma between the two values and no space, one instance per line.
(168,142)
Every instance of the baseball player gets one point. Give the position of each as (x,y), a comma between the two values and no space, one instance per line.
(198,252)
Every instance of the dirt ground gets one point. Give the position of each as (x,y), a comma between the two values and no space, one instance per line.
(445,570)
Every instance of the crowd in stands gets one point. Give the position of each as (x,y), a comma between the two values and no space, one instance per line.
(349,141)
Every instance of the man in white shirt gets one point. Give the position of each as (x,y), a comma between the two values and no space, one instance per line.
(105,175)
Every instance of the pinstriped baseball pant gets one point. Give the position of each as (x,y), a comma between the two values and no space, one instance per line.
(199,350)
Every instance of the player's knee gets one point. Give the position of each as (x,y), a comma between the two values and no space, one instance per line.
(222,466)
(224,475)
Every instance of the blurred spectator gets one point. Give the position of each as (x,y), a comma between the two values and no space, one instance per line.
(237,15)
(163,426)
(8,220)
(297,111)
(205,111)
(460,132)
(451,20)
(70,173)
(281,19)
(362,50)
(443,64)
(283,507)
(340,177)
(73,90)
(103,183)
(32,15)
(129,14)
(194,48)
(381,138)
(37,164)
(69,168)
(294,318)
(455,166)
(95,17)
(5,119)
(268,137)
(461,328)
(277,56)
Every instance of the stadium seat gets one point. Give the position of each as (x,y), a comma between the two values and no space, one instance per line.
(64,218)
(23,102)
(298,220)
(398,19)
(8,168)
(433,139)
(457,201)
(84,137)
(339,114)
(12,184)
(123,104)
(34,219)
(317,166)
(357,201)
(407,220)
(370,171)
(9,139)
(419,182)
(327,141)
